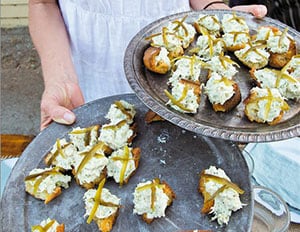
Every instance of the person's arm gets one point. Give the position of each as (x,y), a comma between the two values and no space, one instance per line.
(48,33)
(259,11)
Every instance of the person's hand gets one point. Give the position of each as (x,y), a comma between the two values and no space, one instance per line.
(57,102)
(258,11)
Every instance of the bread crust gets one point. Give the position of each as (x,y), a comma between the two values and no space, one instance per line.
(92,184)
(171,195)
(252,118)
(151,116)
(136,154)
(106,224)
(279,60)
(201,188)
(151,64)
(230,103)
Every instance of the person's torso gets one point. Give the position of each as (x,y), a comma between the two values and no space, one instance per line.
(100,31)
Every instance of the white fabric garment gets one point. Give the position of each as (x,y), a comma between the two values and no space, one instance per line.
(100,31)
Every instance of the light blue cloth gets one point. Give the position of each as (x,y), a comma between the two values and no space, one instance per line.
(277,166)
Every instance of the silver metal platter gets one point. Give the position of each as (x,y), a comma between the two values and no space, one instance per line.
(233,125)
(167,151)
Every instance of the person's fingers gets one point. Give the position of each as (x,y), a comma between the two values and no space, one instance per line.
(53,112)
(259,11)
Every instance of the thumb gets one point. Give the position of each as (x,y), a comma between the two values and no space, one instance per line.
(55,113)
(259,11)
(63,115)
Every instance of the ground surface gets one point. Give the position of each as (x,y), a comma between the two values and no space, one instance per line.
(21,83)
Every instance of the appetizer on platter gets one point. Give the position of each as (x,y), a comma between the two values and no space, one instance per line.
(123,163)
(253,56)
(235,40)
(185,96)
(288,86)
(233,22)
(282,48)
(102,207)
(117,135)
(264,105)
(210,22)
(151,198)
(46,184)
(223,65)
(223,93)
(48,225)
(221,196)
(187,68)
(62,155)
(83,138)
(292,68)
(156,60)
(121,110)
(90,166)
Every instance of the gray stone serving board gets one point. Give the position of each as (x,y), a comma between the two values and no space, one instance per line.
(167,151)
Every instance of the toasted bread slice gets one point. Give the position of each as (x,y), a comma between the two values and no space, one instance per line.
(90,168)
(84,137)
(265,105)
(51,225)
(185,96)
(217,191)
(45,184)
(151,116)
(118,135)
(279,60)
(156,60)
(223,93)
(106,224)
(230,103)
(102,207)
(247,54)
(164,196)
(62,155)
(123,163)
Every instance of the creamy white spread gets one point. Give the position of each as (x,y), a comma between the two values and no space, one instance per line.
(235,39)
(293,67)
(52,228)
(49,183)
(229,24)
(163,57)
(276,44)
(257,56)
(288,87)
(115,138)
(183,30)
(226,201)
(115,115)
(224,68)
(267,109)
(208,48)
(263,34)
(114,167)
(79,136)
(66,157)
(102,211)
(186,67)
(190,101)
(92,169)
(173,41)
(217,90)
(142,201)
(210,22)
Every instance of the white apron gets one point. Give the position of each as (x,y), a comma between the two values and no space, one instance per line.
(100,31)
